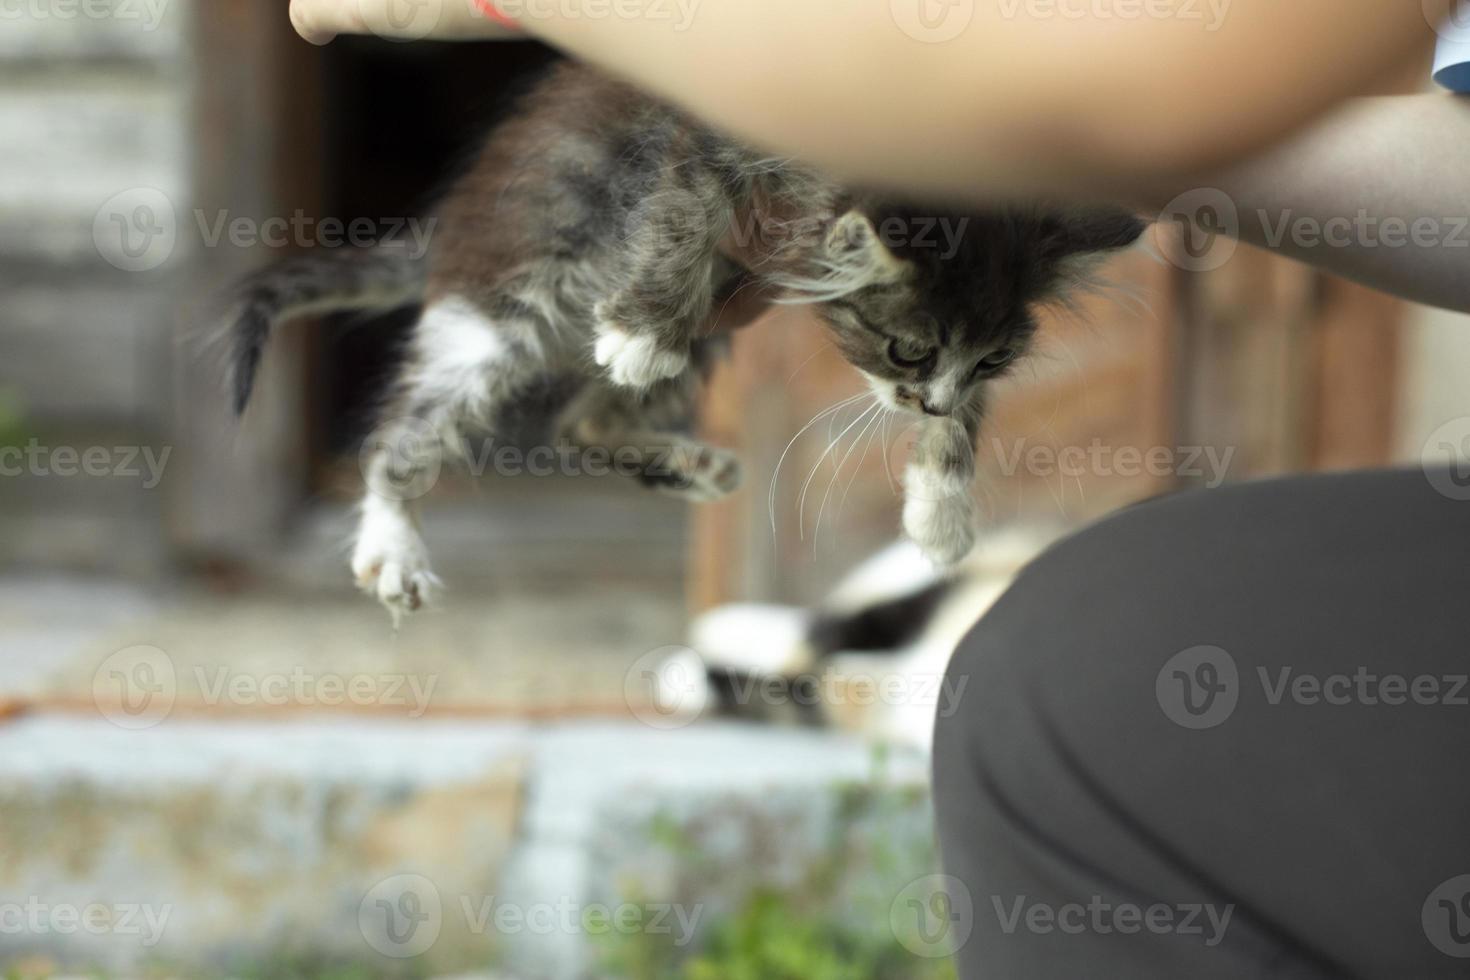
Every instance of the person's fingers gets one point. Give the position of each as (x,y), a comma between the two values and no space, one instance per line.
(319,21)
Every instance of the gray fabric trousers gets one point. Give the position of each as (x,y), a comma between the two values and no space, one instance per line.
(1222,734)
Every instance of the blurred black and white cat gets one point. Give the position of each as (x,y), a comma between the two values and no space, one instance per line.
(869,658)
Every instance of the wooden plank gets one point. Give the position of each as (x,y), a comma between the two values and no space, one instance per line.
(257,134)
(1354,383)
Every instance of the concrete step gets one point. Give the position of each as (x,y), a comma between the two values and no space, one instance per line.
(416,848)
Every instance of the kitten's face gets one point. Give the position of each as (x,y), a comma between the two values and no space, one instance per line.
(948,303)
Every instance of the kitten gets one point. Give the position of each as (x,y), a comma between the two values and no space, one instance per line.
(581,256)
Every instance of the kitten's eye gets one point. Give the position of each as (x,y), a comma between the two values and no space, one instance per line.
(995,360)
(909,353)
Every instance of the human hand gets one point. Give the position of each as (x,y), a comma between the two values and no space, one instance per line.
(319,21)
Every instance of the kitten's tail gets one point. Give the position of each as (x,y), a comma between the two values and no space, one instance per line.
(327,281)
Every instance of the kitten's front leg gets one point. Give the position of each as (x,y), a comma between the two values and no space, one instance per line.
(646,328)
(939,510)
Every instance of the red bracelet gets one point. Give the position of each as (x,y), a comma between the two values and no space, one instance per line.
(488,8)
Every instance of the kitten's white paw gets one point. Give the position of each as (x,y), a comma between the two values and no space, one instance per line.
(636,362)
(391,563)
(714,475)
(939,518)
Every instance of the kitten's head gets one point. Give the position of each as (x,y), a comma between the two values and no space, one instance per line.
(930,307)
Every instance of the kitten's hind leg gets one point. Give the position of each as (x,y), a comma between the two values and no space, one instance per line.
(638,434)
(464,368)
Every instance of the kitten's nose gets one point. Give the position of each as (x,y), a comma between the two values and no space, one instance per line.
(931,410)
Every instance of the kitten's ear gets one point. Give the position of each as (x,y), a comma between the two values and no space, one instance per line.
(853,243)
(1096,230)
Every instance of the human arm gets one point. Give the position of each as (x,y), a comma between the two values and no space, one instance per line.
(1376,192)
(1017,104)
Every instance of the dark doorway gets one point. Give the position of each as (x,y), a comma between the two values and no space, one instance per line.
(399,123)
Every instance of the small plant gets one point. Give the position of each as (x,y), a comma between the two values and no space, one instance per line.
(833,924)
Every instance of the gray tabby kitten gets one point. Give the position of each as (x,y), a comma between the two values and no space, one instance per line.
(579,260)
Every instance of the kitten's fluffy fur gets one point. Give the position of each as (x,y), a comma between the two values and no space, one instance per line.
(581,256)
